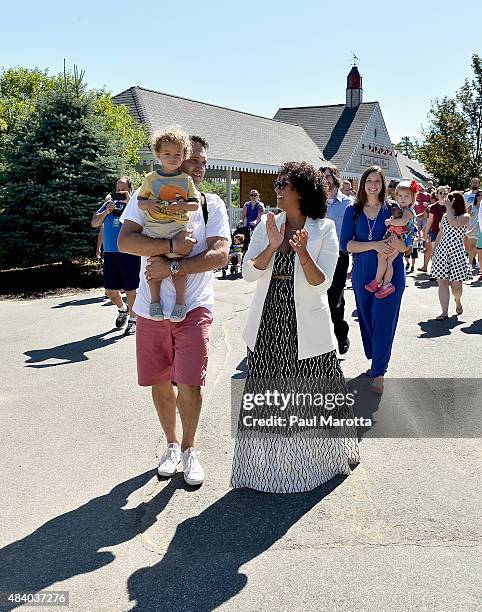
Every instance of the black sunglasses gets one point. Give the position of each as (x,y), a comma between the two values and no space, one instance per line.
(253,195)
(281,183)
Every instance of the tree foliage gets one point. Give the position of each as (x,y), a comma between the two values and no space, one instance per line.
(469,99)
(60,163)
(408,147)
(219,187)
(117,119)
(20,88)
(445,151)
(451,147)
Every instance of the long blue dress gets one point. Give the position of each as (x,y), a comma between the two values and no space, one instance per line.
(378,318)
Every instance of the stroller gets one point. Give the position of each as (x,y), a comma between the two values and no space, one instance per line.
(240,239)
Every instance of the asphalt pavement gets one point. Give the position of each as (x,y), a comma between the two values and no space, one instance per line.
(83,512)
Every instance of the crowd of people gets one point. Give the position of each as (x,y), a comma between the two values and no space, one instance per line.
(163,242)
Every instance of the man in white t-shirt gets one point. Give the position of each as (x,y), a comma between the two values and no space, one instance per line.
(170,354)
(469,196)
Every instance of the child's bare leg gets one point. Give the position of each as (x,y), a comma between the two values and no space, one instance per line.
(180,287)
(387,277)
(382,267)
(155,308)
(179,311)
(155,289)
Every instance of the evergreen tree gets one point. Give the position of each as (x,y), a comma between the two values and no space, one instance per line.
(58,166)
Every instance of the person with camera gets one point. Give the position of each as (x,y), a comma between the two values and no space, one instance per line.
(121,270)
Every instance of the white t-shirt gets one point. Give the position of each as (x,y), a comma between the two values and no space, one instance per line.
(199,287)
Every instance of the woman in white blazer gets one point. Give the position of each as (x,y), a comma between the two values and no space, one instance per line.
(292,257)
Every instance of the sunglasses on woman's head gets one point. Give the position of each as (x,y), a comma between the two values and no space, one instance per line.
(281,183)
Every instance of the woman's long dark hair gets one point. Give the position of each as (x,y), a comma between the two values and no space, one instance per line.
(478,197)
(458,203)
(361,196)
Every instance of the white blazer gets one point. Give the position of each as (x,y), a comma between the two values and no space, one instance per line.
(313,319)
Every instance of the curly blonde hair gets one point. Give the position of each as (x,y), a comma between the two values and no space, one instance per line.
(171,135)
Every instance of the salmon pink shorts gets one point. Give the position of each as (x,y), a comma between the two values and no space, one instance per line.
(173,351)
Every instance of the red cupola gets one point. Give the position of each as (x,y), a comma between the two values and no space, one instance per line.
(354,89)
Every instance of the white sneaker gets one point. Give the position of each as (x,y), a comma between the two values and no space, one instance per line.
(193,471)
(169,460)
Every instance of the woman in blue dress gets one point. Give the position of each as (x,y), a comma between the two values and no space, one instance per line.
(362,234)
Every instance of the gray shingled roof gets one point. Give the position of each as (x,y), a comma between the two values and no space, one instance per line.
(412,169)
(233,136)
(335,129)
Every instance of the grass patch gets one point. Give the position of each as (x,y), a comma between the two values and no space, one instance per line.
(50,279)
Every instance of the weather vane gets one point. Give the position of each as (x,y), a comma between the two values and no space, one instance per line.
(355,59)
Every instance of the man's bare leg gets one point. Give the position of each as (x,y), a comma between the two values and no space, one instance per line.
(189,402)
(164,397)
(131,298)
(115,297)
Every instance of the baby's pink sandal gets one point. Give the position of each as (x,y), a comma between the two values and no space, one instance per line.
(385,291)
(373,286)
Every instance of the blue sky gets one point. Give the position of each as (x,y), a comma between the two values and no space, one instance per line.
(256,56)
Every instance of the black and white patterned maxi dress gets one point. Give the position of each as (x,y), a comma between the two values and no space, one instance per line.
(449,260)
(278,461)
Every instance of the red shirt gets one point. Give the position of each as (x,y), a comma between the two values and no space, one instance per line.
(438,211)
(423,200)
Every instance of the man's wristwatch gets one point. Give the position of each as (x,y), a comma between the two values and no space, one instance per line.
(174,267)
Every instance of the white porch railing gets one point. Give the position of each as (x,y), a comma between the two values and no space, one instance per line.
(234,215)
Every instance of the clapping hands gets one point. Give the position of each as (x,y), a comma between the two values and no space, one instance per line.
(275,235)
(298,242)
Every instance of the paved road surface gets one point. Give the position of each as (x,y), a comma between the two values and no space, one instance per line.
(82,511)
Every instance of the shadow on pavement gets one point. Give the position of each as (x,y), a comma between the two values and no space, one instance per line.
(474,328)
(425,284)
(436,329)
(69,545)
(367,402)
(201,567)
(241,370)
(71,352)
(84,302)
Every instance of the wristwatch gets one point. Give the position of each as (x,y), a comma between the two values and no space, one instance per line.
(174,267)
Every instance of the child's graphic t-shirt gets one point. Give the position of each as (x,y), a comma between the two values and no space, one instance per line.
(167,188)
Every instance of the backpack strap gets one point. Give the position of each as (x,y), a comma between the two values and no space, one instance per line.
(204,206)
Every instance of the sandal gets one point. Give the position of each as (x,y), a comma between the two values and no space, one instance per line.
(373,286)
(459,310)
(442,318)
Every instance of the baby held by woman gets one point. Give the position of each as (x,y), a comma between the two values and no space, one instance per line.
(402,224)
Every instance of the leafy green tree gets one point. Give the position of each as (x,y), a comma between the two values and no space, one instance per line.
(219,187)
(446,147)
(59,165)
(469,98)
(408,147)
(19,88)
(451,148)
(117,119)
